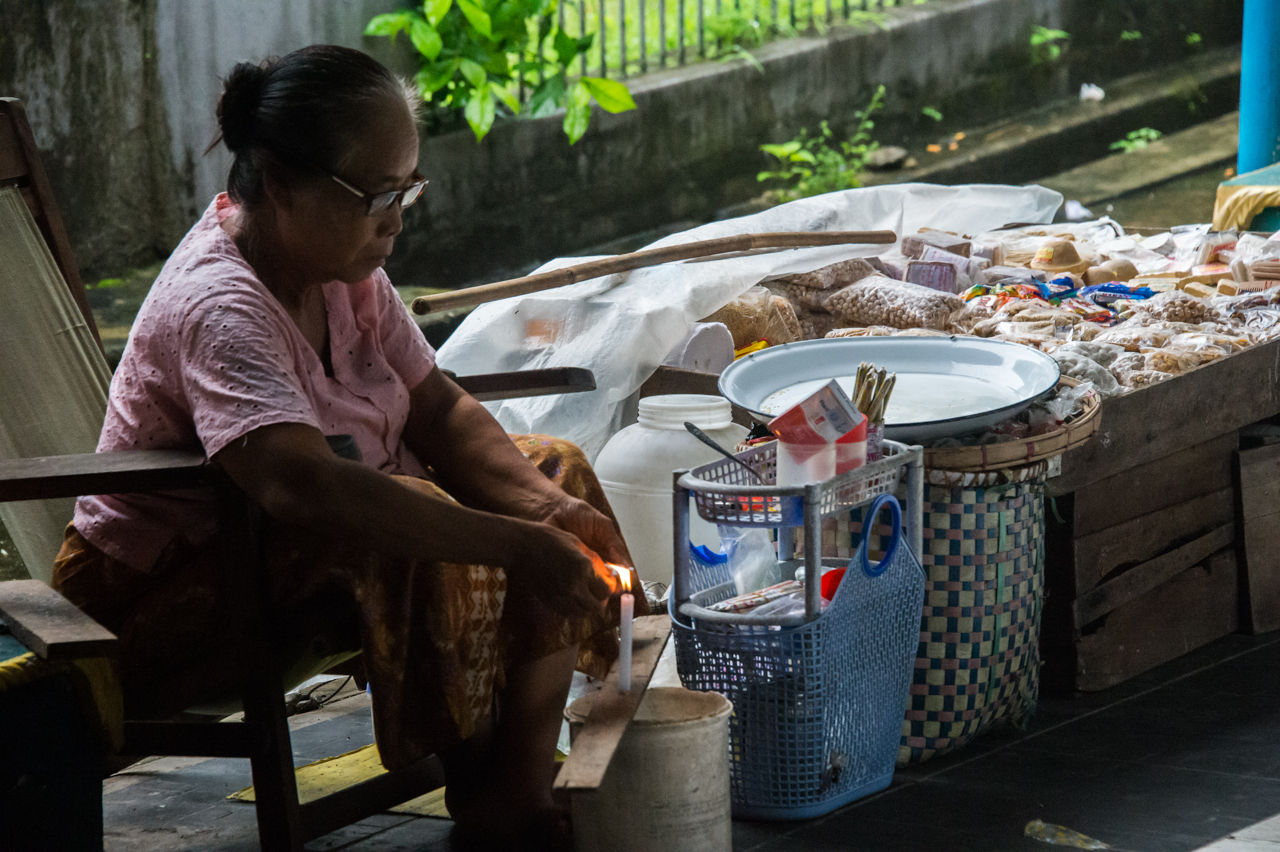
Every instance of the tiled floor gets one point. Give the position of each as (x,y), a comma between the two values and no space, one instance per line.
(1172,761)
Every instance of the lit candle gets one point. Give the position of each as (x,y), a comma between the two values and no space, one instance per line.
(628,610)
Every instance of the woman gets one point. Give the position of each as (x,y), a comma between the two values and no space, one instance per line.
(273,331)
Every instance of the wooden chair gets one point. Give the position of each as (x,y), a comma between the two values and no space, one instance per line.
(46,624)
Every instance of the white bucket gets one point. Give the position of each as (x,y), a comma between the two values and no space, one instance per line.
(667,788)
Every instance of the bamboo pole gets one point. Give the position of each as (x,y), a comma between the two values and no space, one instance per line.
(639,259)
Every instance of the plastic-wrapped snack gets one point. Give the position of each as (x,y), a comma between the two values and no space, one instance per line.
(746,316)
(883,301)
(831,277)
(1087,370)
(1175,361)
(783,325)
(1143,378)
(922,332)
(869,331)
(1103,353)
(1086,331)
(804,298)
(1210,347)
(973,312)
(1134,338)
(1044,328)
(1047,345)
(1176,306)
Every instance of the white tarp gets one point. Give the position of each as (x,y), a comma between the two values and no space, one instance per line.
(622,327)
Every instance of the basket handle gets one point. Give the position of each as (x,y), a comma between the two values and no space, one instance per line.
(884,501)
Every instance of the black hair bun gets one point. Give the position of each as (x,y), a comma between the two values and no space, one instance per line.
(238,106)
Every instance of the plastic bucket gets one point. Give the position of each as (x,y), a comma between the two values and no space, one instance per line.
(667,788)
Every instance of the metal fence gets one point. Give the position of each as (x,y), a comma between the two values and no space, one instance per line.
(638,36)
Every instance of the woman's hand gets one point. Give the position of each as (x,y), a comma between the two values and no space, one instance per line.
(553,567)
(598,532)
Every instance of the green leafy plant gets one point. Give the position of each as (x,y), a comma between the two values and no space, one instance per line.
(1194,40)
(932,112)
(812,165)
(1047,44)
(476,55)
(1136,140)
(1130,35)
(735,32)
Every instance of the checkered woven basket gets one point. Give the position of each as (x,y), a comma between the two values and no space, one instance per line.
(978,661)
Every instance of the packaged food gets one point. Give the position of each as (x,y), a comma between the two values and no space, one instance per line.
(803,298)
(1142,378)
(1127,363)
(1207,344)
(936,275)
(815,324)
(1086,331)
(782,326)
(1134,338)
(922,332)
(914,245)
(1177,306)
(1086,370)
(831,277)
(868,331)
(1175,361)
(883,301)
(747,316)
(1103,353)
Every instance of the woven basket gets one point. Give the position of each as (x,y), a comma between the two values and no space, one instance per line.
(978,659)
(1024,451)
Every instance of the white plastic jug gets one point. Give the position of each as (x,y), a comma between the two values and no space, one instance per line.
(635,470)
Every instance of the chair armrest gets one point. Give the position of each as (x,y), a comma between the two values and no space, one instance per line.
(49,624)
(102,473)
(487,387)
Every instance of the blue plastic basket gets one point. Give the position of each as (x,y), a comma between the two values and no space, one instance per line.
(817,707)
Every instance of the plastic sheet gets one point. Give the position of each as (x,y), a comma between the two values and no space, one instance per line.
(622,326)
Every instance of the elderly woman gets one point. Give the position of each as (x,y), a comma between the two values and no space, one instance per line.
(449,553)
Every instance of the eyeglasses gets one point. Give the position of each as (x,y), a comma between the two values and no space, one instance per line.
(381,202)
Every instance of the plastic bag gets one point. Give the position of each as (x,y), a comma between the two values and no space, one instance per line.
(1134,338)
(868,331)
(1177,306)
(1057,835)
(1066,403)
(1102,353)
(1142,378)
(1210,347)
(804,298)
(747,316)
(1173,361)
(815,324)
(831,277)
(753,562)
(792,604)
(882,301)
(1087,370)
(782,326)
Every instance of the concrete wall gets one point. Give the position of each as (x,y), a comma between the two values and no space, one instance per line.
(121,93)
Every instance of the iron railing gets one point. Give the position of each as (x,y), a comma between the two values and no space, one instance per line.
(639,36)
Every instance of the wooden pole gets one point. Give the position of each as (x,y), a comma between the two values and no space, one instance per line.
(637,260)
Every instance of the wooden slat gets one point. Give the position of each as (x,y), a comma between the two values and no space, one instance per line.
(1191,610)
(488,387)
(101,473)
(1143,578)
(1259,512)
(1182,476)
(1143,538)
(1184,411)
(593,748)
(50,625)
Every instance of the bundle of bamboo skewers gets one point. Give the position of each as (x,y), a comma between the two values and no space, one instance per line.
(871,390)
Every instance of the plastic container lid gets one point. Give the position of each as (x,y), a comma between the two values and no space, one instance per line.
(672,410)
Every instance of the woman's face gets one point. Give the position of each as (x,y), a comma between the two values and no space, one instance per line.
(326,232)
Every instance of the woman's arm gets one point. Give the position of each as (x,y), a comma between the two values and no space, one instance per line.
(480,466)
(289,470)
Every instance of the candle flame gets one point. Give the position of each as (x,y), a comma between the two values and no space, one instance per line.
(624,576)
(617,577)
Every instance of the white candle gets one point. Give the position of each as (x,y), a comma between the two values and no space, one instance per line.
(628,610)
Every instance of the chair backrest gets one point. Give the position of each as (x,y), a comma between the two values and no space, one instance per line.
(54,380)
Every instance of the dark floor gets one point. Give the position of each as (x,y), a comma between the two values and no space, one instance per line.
(1169,762)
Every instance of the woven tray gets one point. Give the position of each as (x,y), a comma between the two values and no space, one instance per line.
(988,457)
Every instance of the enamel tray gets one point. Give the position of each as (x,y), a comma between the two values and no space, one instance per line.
(946,386)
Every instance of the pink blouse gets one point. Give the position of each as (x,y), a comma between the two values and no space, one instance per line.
(212,356)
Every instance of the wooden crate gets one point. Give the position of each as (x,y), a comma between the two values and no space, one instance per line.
(1257,513)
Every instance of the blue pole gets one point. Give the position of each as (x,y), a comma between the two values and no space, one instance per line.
(1260,86)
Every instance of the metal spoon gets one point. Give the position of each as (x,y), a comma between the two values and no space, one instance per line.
(707,439)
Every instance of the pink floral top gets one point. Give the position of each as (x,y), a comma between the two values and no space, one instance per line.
(212,356)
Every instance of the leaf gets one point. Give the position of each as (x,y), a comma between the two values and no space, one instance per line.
(435,10)
(566,47)
(433,77)
(804,157)
(477,17)
(547,97)
(505,95)
(388,25)
(610,94)
(783,151)
(577,113)
(479,111)
(932,112)
(473,72)
(425,38)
